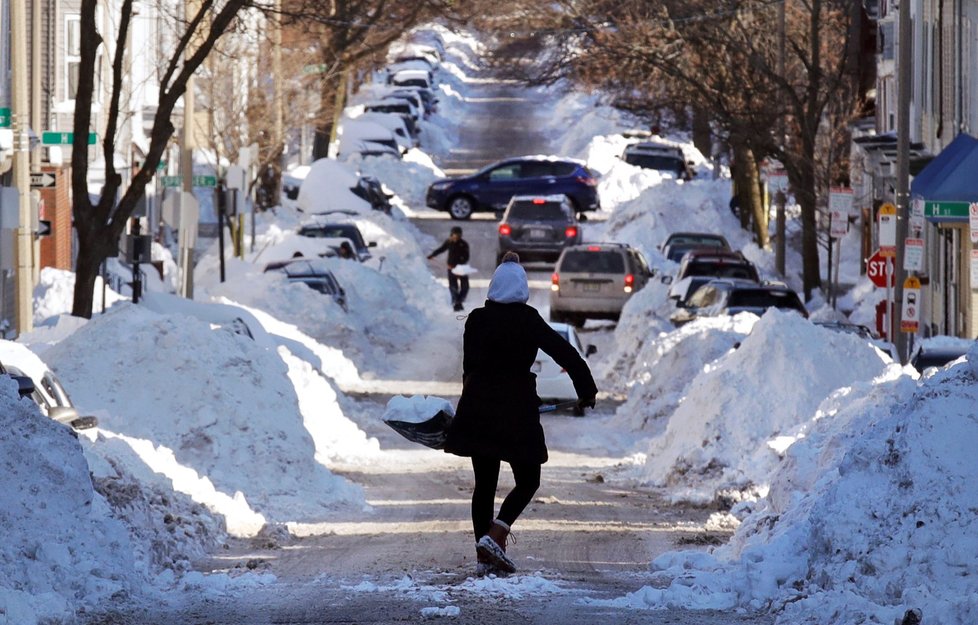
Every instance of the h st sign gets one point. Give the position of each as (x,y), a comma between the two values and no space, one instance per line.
(876,269)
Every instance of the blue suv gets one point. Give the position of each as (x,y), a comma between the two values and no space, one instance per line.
(491,188)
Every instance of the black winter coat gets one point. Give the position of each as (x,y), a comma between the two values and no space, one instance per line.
(498,413)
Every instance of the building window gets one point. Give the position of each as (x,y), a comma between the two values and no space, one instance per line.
(72,54)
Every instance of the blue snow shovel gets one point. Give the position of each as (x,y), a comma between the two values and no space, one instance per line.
(432,433)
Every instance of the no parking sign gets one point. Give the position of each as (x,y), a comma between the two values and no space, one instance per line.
(910,317)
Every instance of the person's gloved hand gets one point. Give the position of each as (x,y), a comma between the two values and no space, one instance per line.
(585,402)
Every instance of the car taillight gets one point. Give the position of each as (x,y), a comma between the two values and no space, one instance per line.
(539,200)
(555,282)
(589,181)
(629,283)
(505,230)
(570,232)
(594,248)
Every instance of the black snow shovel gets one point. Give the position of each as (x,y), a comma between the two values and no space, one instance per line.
(432,433)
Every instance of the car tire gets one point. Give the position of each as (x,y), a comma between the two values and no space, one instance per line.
(460,207)
(578,321)
(577,411)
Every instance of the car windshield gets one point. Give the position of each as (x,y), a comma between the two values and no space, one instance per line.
(593,262)
(550,211)
(698,241)
(721,270)
(654,161)
(337,231)
(762,298)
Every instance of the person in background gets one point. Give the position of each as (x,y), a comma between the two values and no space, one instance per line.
(497,419)
(458,254)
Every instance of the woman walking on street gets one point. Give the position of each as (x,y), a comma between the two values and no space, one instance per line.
(498,417)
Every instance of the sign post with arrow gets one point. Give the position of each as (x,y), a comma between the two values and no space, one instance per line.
(42,180)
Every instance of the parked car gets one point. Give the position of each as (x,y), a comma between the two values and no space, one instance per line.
(395,106)
(372,190)
(491,188)
(678,243)
(729,296)
(37,382)
(661,157)
(862,332)
(314,274)
(393,123)
(411,78)
(339,230)
(367,139)
(413,96)
(700,265)
(937,351)
(594,280)
(553,382)
(538,227)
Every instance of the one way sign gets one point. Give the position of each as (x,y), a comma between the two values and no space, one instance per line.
(42,181)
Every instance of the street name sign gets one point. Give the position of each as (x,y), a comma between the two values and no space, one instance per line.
(52,137)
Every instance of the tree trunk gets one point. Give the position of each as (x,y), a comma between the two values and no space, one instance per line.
(86,271)
(742,182)
(702,135)
(332,100)
(755,200)
(802,178)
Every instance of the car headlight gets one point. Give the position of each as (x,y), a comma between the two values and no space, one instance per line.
(440,186)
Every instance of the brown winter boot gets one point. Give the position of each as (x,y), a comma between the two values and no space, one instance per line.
(492,546)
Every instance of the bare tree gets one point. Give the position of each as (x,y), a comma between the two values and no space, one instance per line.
(99,224)
(722,57)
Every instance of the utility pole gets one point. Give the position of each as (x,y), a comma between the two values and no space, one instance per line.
(781,199)
(904,72)
(18,113)
(278,131)
(187,171)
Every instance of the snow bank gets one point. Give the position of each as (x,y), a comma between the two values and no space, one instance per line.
(870,514)
(247,439)
(61,547)
(725,433)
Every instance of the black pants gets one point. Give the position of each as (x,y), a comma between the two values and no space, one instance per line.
(458,286)
(527,478)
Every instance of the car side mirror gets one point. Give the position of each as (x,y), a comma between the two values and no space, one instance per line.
(372,244)
(591,349)
(581,217)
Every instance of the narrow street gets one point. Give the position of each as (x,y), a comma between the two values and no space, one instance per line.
(585,537)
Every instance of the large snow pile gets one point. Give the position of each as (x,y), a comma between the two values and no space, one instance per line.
(235,442)
(663,369)
(871,514)
(739,413)
(60,544)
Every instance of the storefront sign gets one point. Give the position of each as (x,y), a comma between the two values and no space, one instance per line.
(913,255)
(910,317)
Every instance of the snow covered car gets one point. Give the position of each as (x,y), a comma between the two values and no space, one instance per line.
(937,351)
(338,231)
(729,296)
(553,383)
(40,384)
(314,274)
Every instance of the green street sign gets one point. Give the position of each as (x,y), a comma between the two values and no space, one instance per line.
(4,118)
(952,211)
(172,182)
(50,137)
(316,68)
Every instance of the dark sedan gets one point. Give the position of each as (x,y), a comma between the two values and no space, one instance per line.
(491,188)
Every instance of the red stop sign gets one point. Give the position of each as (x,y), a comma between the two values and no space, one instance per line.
(876,270)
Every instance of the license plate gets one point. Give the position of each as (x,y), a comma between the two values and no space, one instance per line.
(537,233)
(592,287)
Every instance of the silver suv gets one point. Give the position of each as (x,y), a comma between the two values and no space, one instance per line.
(538,227)
(594,280)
